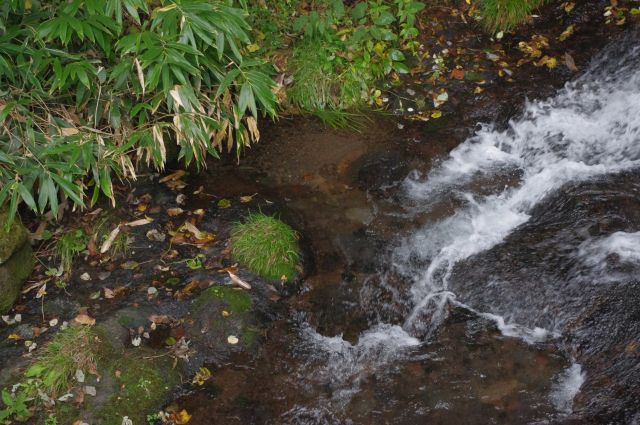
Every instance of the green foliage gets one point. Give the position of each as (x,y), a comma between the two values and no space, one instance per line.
(339,52)
(69,245)
(500,15)
(267,246)
(91,88)
(15,405)
(72,349)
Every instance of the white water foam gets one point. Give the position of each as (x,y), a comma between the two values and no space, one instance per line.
(344,364)
(567,387)
(590,128)
(594,252)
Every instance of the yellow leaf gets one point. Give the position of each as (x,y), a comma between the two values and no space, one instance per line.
(253,47)
(566,33)
(182,417)
(14,337)
(436,114)
(201,376)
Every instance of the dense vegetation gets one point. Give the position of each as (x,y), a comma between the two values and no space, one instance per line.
(90,90)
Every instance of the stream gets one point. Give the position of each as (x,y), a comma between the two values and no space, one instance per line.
(495,284)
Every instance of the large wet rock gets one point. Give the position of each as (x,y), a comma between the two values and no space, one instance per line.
(16,262)
(222,321)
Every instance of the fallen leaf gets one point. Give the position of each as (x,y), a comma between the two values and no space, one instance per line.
(79,375)
(247,198)
(130,265)
(140,222)
(112,237)
(457,74)
(173,176)
(568,32)
(155,235)
(85,319)
(202,375)
(172,212)
(570,63)
(108,293)
(232,339)
(182,417)
(241,283)
(90,389)
(224,203)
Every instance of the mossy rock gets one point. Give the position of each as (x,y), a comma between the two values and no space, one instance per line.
(237,300)
(16,261)
(218,313)
(141,386)
(11,240)
(13,273)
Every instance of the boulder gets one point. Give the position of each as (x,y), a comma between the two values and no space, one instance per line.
(16,262)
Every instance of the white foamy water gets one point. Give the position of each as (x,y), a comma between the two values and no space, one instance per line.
(590,128)
(566,387)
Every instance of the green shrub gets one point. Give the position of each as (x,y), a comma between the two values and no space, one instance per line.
(339,52)
(500,15)
(91,88)
(266,246)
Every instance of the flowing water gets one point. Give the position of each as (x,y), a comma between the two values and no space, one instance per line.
(587,132)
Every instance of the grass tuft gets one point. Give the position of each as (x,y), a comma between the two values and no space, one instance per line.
(70,245)
(266,246)
(499,15)
(70,349)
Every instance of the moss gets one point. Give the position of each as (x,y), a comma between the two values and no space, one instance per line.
(142,388)
(12,239)
(13,273)
(237,300)
(266,246)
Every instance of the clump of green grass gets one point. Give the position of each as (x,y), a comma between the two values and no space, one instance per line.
(70,245)
(70,349)
(266,246)
(501,15)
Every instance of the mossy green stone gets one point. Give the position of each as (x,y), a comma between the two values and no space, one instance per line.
(10,240)
(13,273)
(237,300)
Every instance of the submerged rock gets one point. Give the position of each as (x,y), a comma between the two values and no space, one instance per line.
(16,262)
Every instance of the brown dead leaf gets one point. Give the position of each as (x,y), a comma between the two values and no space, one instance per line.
(85,319)
(457,74)
(172,212)
(173,176)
